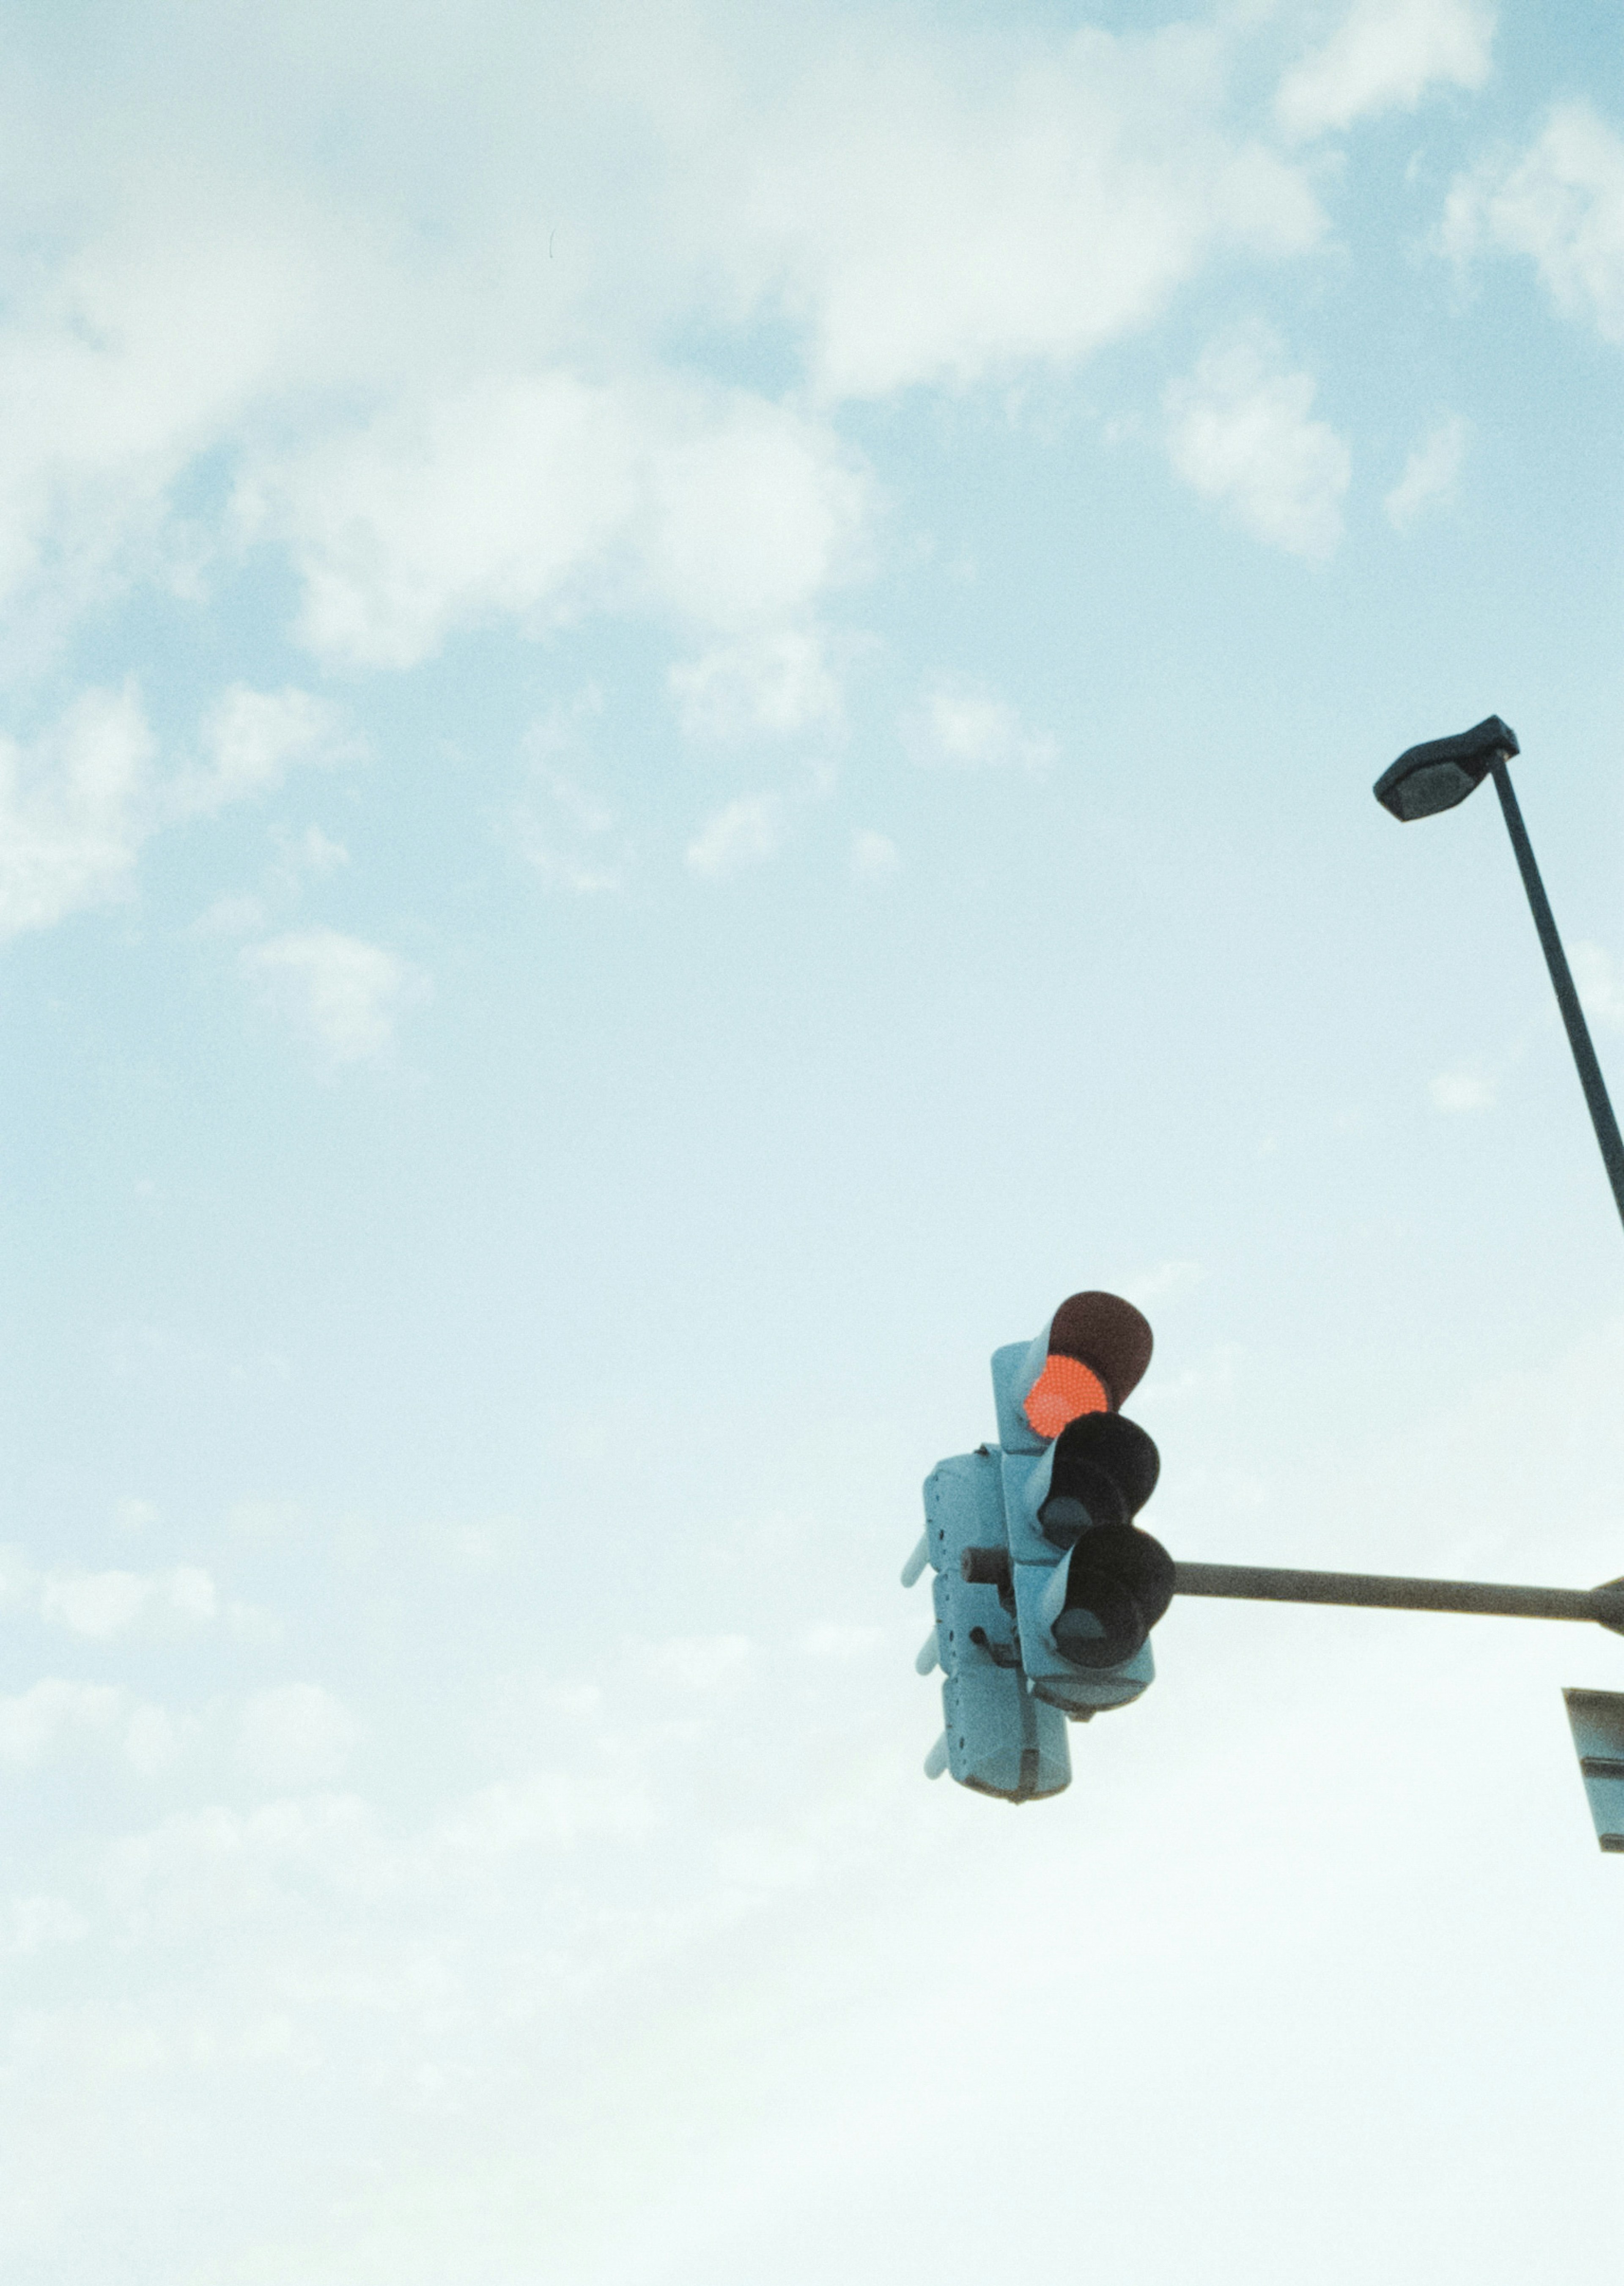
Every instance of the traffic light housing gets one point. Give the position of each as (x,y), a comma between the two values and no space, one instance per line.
(1045,1589)
(1597,1720)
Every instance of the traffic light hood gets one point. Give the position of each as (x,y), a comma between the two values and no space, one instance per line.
(1088,1358)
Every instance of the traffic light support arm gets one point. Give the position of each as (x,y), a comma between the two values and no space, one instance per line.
(1590,1079)
(1382,1592)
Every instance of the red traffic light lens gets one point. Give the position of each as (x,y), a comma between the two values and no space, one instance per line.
(1063,1392)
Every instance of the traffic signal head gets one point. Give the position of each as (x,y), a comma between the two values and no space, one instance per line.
(1088,1585)
(1046,1590)
(999,1737)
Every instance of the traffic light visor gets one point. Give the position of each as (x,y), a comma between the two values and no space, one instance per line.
(1093,1352)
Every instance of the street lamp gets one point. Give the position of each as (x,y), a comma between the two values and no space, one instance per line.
(1437,775)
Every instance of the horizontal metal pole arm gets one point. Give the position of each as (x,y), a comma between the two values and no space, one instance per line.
(1382,1592)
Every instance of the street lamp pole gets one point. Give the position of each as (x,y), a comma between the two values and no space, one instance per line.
(1590,1079)
(1435,776)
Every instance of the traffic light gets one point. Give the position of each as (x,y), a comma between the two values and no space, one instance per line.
(1597,1720)
(1045,1589)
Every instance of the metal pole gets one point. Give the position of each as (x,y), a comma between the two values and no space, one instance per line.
(1573,1015)
(1382,1592)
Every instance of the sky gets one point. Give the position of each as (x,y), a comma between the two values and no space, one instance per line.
(688,696)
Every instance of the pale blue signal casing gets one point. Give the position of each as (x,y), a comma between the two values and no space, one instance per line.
(1025,1461)
(1597,1720)
(1002,1738)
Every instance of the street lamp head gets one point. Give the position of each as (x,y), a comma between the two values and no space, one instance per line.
(1426,779)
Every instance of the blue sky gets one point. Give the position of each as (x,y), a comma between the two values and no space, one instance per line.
(689,697)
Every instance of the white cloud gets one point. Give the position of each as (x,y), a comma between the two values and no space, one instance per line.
(232,916)
(1384,56)
(190,1592)
(746,833)
(121,362)
(960,724)
(96,1604)
(252,737)
(37,1720)
(774,684)
(1600,982)
(873,856)
(1166,1278)
(1462,1090)
(1429,473)
(1240,430)
(552,1808)
(150,1743)
(699,1664)
(441,430)
(296,1735)
(562,829)
(754,511)
(102,1604)
(1562,204)
(841,1642)
(564,833)
(35,1922)
(531,495)
(74,809)
(344,993)
(79,802)
(942,211)
(317,853)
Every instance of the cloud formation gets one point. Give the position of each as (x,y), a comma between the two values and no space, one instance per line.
(1428,474)
(80,800)
(746,833)
(1384,56)
(1240,430)
(1600,982)
(75,805)
(344,995)
(960,724)
(487,423)
(102,1604)
(526,496)
(1561,205)
(250,740)
(773,684)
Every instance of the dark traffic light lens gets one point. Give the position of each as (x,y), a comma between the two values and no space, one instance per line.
(1104,1470)
(1119,1583)
(1101,1624)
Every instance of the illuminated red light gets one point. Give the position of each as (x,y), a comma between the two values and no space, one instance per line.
(1065,1389)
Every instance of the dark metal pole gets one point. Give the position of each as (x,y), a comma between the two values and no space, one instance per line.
(1382,1592)
(1573,1015)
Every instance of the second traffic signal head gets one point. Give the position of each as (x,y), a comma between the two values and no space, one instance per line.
(1088,1585)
